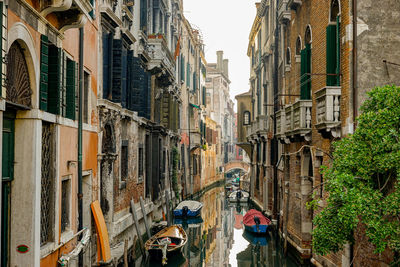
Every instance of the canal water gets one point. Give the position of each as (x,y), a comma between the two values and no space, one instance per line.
(218,239)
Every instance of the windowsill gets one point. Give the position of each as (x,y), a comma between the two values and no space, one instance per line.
(66,236)
(46,249)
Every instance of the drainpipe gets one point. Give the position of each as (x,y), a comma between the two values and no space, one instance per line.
(80,119)
(355,89)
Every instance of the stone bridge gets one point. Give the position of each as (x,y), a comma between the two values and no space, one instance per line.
(236,165)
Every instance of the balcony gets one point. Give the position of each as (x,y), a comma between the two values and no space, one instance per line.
(294,4)
(161,59)
(328,111)
(195,139)
(294,121)
(258,127)
(284,15)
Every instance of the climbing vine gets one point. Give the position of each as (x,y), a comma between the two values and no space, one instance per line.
(362,182)
(175,162)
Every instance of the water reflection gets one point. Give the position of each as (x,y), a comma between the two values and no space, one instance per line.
(218,238)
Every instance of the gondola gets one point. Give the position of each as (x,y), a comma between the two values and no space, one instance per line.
(188,208)
(169,240)
(255,222)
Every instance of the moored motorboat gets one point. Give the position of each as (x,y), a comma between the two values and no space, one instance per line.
(254,221)
(188,208)
(239,196)
(169,240)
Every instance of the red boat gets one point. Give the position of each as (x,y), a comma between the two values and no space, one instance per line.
(254,221)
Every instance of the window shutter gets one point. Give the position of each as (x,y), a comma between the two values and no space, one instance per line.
(63,92)
(194,81)
(124,76)
(331,58)
(147,94)
(204,96)
(338,51)
(117,70)
(182,68)
(106,64)
(305,80)
(44,71)
(71,90)
(188,74)
(129,80)
(55,80)
(136,94)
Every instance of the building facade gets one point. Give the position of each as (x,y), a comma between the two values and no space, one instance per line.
(310,81)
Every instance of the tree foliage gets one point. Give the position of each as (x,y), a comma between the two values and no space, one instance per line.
(362,182)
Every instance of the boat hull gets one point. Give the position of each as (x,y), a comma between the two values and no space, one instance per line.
(191,213)
(262,228)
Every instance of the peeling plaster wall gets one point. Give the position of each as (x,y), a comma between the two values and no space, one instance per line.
(378,40)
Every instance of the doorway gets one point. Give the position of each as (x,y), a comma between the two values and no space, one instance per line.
(7,177)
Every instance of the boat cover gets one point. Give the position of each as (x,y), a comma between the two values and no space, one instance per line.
(191,204)
(244,194)
(248,219)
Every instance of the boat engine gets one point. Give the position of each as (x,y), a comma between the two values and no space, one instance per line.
(185,211)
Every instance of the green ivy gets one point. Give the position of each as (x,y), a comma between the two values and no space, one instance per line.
(363,180)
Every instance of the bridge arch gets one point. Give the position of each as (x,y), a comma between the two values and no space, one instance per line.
(236,165)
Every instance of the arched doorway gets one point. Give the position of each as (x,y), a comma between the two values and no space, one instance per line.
(18,97)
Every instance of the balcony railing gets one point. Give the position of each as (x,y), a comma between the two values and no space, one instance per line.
(160,56)
(328,110)
(259,126)
(284,14)
(294,120)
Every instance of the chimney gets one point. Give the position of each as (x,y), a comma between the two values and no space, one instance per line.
(220,56)
(225,67)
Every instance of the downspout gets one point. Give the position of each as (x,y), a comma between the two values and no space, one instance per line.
(355,67)
(355,92)
(80,119)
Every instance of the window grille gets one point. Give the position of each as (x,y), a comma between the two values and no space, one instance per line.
(140,163)
(47,186)
(124,160)
(65,204)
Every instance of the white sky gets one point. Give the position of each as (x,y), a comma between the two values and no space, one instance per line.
(225,25)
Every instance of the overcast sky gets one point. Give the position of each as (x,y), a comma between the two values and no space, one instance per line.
(225,25)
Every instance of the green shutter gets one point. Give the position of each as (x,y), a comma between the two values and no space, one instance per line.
(194,81)
(331,57)
(182,68)
(188,74)
(44,72)
(8,149)
(305,79)
(204,96)
(55,80)
(338,51)
(71,90)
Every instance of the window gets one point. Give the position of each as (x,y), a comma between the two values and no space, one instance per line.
(65,204)
(305,73)
(288,56)
(298,46)
(140,163)
(333,46)
(308,35)
(124,160)
(194,164)
(85,100)
(246,118)
(107,44)
(47,185)
(58,80)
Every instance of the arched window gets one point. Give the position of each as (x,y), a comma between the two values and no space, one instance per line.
(288,56)
(298,46)
(246,118)
(335,10)
(308,35)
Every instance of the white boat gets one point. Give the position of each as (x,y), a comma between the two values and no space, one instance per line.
(188,208)
(239,196)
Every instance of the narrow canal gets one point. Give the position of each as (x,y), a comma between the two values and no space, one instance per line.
(218,239)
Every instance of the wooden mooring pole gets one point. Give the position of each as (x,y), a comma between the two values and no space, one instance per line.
(137,228)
